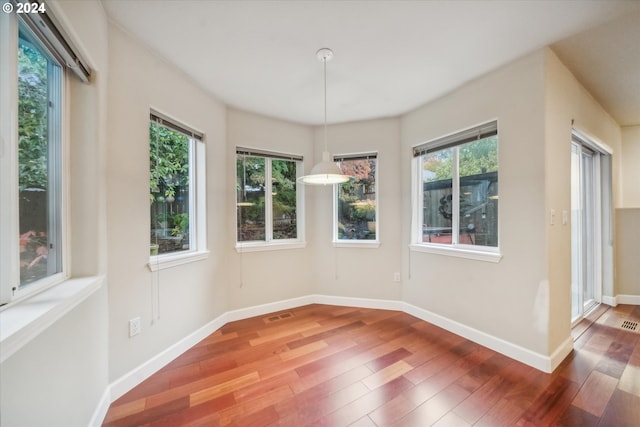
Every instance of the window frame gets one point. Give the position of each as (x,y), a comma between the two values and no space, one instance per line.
(269,243)
(356,243)
(26,314)
(11,291)
(456,249)
(197,197)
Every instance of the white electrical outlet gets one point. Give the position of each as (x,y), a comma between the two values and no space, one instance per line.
(396,276)
(134,327)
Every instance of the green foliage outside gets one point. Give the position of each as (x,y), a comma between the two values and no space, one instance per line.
(169,188)
(32,118)
(283,175)
(168,161)
(474,158)
(180,224)
(33,154)
(251,188)
(356,200)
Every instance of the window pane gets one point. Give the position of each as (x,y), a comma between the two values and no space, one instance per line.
(39,203)
(170,190)
(478,171)
(437,169)
(250,198)
(357,201)
(283,192)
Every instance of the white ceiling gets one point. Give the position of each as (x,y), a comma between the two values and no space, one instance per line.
(390,56)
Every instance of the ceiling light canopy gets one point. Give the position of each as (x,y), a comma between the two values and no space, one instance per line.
(327,171)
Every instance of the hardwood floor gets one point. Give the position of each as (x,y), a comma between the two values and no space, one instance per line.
(323,365)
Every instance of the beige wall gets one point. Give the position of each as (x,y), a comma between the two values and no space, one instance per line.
(174,302)
(506,299)
(360,272)
(58,378)
(567,105)
(273,275)
(627,265)
(628,219)
(631,166)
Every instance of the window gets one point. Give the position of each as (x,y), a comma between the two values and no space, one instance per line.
(268,199)
(457,198)
(39,160)
(176,171)
(32,243)
(356,213)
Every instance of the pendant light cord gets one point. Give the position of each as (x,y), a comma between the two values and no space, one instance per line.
(325,104)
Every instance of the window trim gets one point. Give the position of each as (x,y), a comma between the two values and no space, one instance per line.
(357,243)
(39,305)
(9,245)
(11,292)
(20,323)
(455,249)
(47,28)
(270,243)
(197,197)
(457,138)
(174,125)
(461,251)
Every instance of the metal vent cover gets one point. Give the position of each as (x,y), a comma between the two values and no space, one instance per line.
(629,325)
(279,316)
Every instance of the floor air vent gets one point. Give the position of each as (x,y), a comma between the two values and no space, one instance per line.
(629,325)
(279,316)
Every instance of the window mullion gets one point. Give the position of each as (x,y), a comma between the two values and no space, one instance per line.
(455,198)
(9,218)
(420,208)
(336,195)
(193,214)
(54,169)
(268,202)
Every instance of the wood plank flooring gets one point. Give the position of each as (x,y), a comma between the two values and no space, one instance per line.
(321,365)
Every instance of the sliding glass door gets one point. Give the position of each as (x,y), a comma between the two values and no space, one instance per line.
(586,229)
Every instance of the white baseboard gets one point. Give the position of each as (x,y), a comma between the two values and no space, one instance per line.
(145,370)
(560,354)
(101,410)
(514,351)
(134,377)
(259,310)
(380,304)
(621,299)
(628,299)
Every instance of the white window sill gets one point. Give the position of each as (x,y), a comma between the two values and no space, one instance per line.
(369,244)
(160,262)
(458,252)
(23,321)
(261,246)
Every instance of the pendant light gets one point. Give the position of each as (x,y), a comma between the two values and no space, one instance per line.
(326,172)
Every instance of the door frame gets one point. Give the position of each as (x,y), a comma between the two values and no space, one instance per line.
(602,195)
